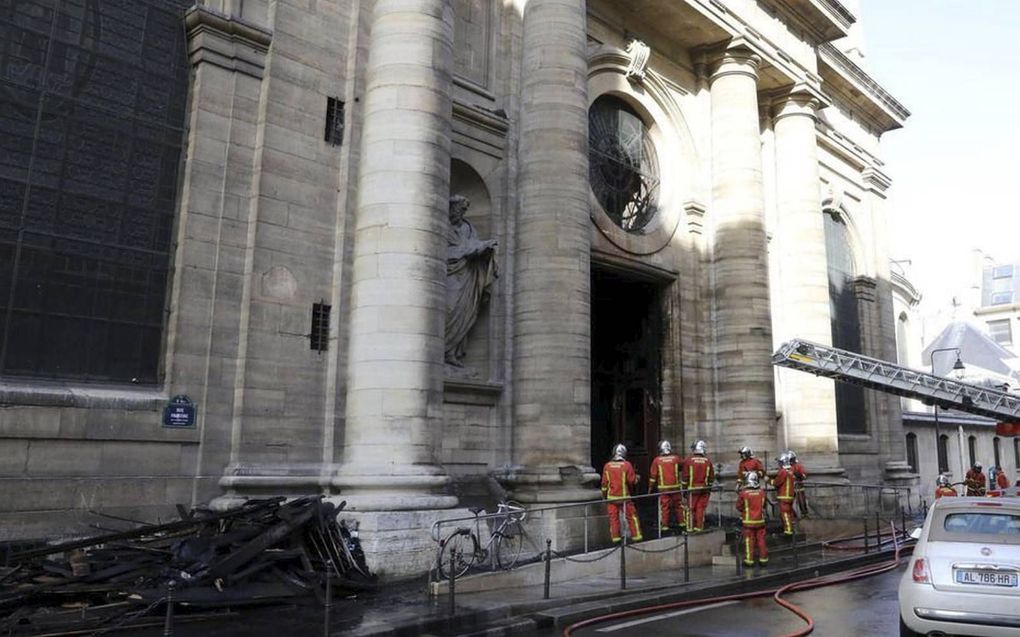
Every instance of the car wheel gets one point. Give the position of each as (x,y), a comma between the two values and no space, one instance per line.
(905,631)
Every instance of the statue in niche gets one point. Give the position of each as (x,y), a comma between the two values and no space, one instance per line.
(470,271)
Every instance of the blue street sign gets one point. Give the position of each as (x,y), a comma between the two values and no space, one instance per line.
(180,412)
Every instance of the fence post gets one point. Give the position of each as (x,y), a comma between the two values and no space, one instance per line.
(548,567)
(903,522)
(168,623)
(866,547)
(327,609)
(878,532)
(586,527)
(736,550)
(623,562)
(453,580)
(793,545)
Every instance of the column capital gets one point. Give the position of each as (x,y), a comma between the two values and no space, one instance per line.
(735,60)
(796,100)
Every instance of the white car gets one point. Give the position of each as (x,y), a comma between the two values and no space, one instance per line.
(963,575)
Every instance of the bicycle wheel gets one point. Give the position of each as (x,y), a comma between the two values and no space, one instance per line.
(460,547)
(509,542)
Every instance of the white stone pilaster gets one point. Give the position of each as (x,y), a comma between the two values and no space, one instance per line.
(745,388)
(552,325)
(395,360)
(808,402)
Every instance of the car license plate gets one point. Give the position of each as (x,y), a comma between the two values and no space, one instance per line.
(986,578)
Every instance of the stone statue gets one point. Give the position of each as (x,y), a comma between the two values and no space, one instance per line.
(470,272)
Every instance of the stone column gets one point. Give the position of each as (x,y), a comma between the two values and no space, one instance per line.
(395,359)
(746,412)
(808,402)
(552,324)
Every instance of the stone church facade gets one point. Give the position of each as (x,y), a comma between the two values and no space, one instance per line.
(673,187)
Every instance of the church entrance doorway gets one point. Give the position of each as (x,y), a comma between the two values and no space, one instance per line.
(626,346)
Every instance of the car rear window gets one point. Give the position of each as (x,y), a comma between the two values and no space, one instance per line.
(977,526)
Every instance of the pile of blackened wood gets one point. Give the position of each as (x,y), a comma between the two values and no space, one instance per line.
(266,551)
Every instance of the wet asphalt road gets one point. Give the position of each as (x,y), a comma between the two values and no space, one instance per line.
(863,607)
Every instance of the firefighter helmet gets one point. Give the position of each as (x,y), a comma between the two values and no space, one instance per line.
(977,466)
(942,480)
(792,455)
(745,452)
(619,452)
(783,460)
(751,479)
(700,447)
(665,448)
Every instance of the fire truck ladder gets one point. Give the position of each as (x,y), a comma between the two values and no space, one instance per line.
(848,367)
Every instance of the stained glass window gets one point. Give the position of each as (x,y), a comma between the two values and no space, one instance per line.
(623,165)
(92,107)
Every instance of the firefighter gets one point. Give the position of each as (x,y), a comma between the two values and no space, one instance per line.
(975,481)
(785,492)
(751,505)
(1000,483)
(698,475)
(665,476)
(748,463)
(618,479)
(799,476)
(942,487)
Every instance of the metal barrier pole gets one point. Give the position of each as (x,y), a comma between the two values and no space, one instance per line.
(585,527)
(793,545)
(168,623)
(623,562)
(910,497)
(453,579)
(548,567)
(903,521)
(328,607)
(866,547)
(687,566)
(878,532)
(736,550)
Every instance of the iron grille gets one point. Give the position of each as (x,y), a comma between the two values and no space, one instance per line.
(334,121)
(92,107)
(623,167)
(319,336)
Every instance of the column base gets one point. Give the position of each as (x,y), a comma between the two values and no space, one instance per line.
(552,485)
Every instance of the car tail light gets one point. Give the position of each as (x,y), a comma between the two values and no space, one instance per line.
(920,573)
(988,504)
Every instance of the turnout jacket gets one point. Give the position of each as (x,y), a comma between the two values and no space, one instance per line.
(665,472)
(698,472)
(784,483)
(747,465)
(618,478)
(751,505)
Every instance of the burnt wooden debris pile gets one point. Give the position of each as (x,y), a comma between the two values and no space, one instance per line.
(206,563)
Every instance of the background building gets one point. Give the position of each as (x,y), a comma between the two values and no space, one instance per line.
(247,205)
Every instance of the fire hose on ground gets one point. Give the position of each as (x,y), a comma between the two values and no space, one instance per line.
(776,593)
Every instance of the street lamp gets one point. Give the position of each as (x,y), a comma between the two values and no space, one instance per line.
(957,367)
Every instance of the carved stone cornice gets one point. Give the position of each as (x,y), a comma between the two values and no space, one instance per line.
(865,289)
(226,41)
(734,60)
(902,286)
(875,180)
(883,107)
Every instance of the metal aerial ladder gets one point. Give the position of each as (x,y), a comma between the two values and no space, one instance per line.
(849,367)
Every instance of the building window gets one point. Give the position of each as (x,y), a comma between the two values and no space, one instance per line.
(972,449)
(1001,331)
(318,338)
(1002,272)
(1016,453)
(623,165)
(1002,298)
(912,452)
(334,121)
(92,120)
(846,326)
(943,451)
(996,451)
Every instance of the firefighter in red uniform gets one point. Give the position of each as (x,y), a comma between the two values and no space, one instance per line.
(1001,482)
(785,492)
(698,474)
(747,464)
(799,476)
(975,481)
(618,479)
(751,505)
(665,476)
(942,488)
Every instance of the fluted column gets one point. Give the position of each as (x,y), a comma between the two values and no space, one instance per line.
(552,325)
(808,402)
(395,359)
(745,388)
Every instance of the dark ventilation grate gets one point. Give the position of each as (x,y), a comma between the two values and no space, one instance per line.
(319,337)
(334,121)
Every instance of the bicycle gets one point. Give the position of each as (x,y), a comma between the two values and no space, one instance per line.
(503,548)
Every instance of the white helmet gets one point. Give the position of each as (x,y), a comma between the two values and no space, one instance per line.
(942,480)
(665,448)
(783,460)
(977,466)
(745,452)
(700,447)
(792,455)
(619,452)
(751,479)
